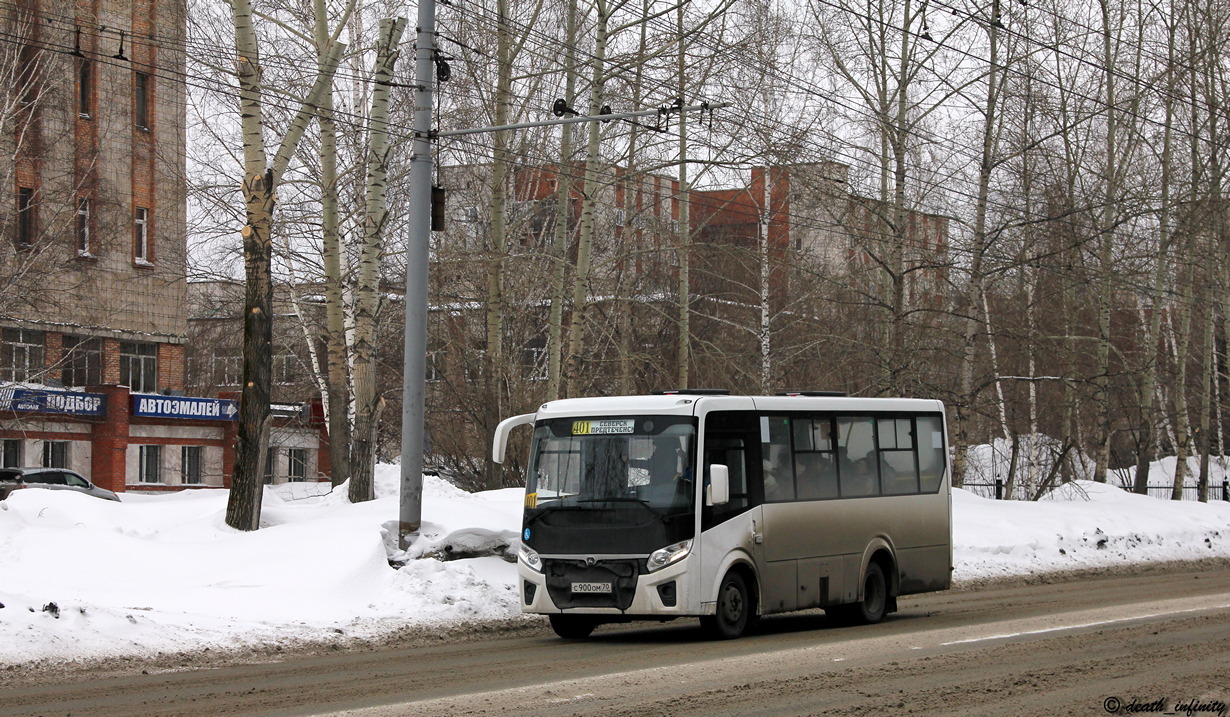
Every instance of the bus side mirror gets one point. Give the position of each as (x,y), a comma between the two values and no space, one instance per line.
(719,485)
(500,444)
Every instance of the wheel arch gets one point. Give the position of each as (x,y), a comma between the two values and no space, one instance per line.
(738,561)
(880,551)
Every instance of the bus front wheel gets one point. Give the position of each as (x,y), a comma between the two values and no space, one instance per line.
(573,627)
(734,609)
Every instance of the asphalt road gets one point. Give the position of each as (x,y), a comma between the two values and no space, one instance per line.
(1067,648)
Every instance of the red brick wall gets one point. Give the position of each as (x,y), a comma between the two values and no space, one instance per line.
(109,456)
(53,350)
(111,361)
(171,367)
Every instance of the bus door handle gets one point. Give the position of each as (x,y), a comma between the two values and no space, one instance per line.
(757,537)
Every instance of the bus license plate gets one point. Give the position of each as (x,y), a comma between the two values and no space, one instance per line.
(591,587)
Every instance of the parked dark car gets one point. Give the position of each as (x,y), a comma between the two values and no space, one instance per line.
(12,479)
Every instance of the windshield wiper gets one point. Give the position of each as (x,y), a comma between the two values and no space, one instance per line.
(614,499)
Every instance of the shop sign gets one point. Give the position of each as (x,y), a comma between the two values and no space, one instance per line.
(210,409)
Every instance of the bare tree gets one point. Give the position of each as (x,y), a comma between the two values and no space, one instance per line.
(259,184)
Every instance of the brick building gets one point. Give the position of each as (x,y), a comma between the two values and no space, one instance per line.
(807,213)
(93,315)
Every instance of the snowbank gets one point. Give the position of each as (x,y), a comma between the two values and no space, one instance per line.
(82,578)
(1078,526)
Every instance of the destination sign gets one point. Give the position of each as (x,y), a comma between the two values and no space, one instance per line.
(604,427)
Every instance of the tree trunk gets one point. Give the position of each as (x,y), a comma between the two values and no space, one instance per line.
(337,362)
(494,365)
(1105,255)
(244,505)
(591,187)
(563,219)
(367,289)
(965,403)
(764,255)
(1151,365)
(684,251)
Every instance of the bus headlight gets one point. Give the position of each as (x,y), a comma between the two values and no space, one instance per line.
(670,554)
(530,557)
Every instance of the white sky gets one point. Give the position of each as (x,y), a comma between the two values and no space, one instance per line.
(161,573)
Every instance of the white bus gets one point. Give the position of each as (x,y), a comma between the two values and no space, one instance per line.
(804,501)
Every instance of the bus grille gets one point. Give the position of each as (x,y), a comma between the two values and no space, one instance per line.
(561,574)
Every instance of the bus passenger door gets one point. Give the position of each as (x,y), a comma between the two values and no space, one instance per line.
(732,439)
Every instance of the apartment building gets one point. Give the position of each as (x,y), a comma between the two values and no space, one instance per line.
(93,314)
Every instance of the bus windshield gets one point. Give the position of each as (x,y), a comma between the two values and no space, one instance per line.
(593,463)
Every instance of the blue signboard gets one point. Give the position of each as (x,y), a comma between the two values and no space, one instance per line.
(41,400)
(214,409)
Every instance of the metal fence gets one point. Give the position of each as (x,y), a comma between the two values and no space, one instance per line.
(997,491)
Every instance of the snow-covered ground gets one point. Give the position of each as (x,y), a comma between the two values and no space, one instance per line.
(85,578)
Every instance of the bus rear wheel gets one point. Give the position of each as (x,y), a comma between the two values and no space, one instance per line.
(734,609)
(573,627)
(874,605)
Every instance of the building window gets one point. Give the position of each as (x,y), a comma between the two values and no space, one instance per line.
(27,217)
(85,86)
(435,366)
(83,226)
(139,366)
(285,369)
(190,464)
(296,464)
(10,453)
(21,355)
(140,236)
(82,361)
(271,459)
(226,370)
(55,454)
(149,464)
(140,100)
(534,360)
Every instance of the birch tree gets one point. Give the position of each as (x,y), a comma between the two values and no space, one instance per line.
(367,286)
(261,175)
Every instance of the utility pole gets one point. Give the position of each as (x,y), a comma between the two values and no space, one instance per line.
(414,389)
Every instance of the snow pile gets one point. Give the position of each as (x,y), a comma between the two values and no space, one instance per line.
(83,578)
(1078,526)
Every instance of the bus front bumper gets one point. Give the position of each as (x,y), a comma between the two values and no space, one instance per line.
(663,593)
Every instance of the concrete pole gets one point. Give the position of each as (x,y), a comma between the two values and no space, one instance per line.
(418,238)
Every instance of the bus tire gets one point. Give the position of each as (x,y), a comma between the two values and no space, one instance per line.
(734,609)
(872,608)
(573,627)
(874,604)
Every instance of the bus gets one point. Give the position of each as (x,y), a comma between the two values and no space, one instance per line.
(727,508)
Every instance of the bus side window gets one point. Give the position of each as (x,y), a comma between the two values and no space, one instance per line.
(775,449)
(815,463)
(898,474)
(930,452)
(857,465)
